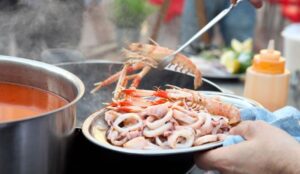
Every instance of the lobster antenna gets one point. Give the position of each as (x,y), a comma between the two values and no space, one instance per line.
(153,41)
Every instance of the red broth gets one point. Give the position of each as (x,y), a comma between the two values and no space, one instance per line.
(19,101)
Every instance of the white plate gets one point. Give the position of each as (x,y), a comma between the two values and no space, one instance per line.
(98,137)
(214,69)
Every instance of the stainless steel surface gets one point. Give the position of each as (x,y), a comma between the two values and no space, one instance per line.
(38,145)
(167,60)
(94,129)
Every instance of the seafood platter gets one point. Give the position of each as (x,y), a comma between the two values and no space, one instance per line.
(141,115)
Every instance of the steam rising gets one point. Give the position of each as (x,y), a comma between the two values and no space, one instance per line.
(36,25)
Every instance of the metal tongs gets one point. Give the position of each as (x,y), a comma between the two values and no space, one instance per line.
(168,59)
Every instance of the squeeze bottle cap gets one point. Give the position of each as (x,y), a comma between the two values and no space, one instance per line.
(269,61)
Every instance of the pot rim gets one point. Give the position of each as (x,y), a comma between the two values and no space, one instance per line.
(55,70)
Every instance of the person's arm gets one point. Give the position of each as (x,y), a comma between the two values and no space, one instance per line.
(256,3)
(267,149)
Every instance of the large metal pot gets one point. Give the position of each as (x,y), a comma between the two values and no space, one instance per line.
(38,145)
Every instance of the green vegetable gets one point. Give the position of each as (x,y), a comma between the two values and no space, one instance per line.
(131,13)
(245,60)
(239,57)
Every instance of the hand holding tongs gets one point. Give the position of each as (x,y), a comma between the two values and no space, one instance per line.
(168,59)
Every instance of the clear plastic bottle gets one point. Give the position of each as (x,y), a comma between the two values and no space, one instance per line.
(267,80)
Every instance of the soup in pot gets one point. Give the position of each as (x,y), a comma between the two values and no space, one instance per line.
(20,101)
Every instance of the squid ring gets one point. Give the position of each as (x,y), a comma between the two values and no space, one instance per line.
(123,118)
(158,123)
(158,131)
(185,133)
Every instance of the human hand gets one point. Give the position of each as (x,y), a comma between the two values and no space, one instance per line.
(267,149)
(256,3)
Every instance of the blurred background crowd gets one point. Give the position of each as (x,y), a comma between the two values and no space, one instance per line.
(56,31)
(97,28)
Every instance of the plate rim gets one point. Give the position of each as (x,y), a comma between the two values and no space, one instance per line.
(86,129)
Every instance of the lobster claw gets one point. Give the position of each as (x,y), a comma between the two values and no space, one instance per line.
(180,63)
(143,57)
(184,65)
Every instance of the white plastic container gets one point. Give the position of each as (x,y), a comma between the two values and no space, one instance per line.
(291,52)
(267,80)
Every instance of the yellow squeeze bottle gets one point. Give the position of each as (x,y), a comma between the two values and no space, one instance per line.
(267,80)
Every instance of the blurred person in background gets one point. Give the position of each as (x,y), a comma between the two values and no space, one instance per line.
(91,3)
(238,24)
(45,24)
(100,20)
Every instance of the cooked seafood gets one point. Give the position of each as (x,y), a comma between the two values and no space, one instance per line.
(144,57)
(167,119)
(162,119)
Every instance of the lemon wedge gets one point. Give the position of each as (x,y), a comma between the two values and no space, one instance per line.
(233,66)
(227,56)
(245,46)
(230,61)
(236,45)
